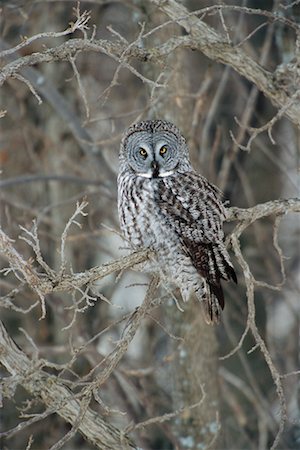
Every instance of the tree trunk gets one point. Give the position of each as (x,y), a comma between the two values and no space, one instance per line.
(194,365)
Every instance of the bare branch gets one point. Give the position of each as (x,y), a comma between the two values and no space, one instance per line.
(111,361)
(165,417)
(250,282)
(67,283)
(79,24)
(254,132)
(31,88)
(78,212)
(23,179)
(68,49)
(80,86)
(276,207)
(212,44)
(200,36)
(56,396)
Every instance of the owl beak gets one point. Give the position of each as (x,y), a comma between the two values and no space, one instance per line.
(155,169)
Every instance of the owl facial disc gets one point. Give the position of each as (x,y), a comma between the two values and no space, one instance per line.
(153,151)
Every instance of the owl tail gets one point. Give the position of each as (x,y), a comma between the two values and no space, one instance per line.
(213,303)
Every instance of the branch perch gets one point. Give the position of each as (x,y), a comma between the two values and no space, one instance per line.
(64,283)
(68,282)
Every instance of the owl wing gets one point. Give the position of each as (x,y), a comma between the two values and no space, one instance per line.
(193,208)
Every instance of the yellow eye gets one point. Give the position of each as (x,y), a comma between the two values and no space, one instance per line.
(163,150)
(143,152)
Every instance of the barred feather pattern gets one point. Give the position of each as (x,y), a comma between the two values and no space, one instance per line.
(181,217)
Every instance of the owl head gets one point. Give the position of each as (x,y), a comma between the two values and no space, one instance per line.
(154,149)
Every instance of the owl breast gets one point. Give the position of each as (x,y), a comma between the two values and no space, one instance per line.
(144,224)
(140,217)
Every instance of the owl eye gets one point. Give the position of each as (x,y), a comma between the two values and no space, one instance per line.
(143,153)
(163,150)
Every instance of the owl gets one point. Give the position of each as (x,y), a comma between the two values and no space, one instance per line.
(165,205)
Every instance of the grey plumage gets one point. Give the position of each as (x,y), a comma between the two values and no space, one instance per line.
(164,204)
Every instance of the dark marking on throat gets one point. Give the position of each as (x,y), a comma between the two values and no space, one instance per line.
(155,169)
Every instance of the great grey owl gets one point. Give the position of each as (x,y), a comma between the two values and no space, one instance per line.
(165,205)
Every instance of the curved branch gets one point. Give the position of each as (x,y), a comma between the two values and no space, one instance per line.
(116,50)
(215,47)
(200,36)
(58,398)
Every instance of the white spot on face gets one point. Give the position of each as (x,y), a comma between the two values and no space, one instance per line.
(149,174)
(145,175)
(167,173)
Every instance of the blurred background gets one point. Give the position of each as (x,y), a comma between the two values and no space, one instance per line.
(65,149)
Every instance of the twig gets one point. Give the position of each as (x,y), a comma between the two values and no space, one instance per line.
(165,417)
(19,77)
(32,239)
(79,24)
(267,127)
(80,86)
(78,212)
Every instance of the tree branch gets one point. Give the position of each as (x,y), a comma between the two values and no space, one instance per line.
(51,390)
(58,398)
(249,215)
(276,207)
(200,36)
(68,282)
(216,47)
